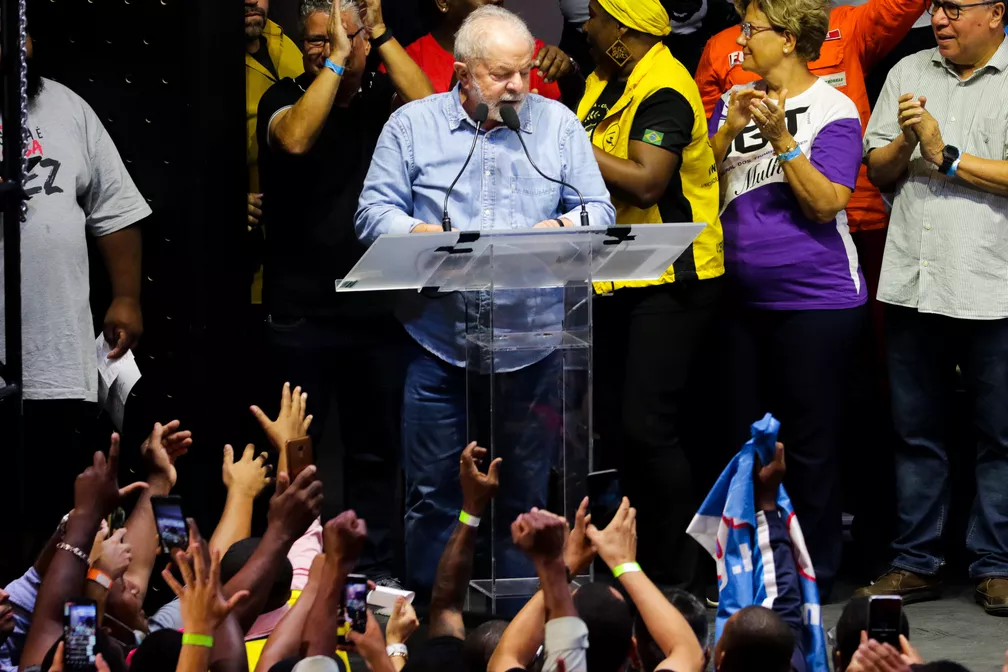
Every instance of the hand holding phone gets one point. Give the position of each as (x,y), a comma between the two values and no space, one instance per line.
(355,602)
(885,616)
(80,629)
(170,522)
(299,455)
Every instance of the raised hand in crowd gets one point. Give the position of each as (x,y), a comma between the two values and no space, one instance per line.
(456,564)
(617,543)
(247,477)
(295,504)
(478,488)
(58,664)
(767,480)
(203,604)
(370,646)
(874,657)
(400,627)
(372,18)
(162,447)
(343,539)
(290,424)
(579,552)
(113,554)
(402,623)
(159,451)
(96,495)
(244,480)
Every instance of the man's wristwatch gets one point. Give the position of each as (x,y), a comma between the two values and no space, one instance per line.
(950,154)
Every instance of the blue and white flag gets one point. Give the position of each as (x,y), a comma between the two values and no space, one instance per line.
(726,526)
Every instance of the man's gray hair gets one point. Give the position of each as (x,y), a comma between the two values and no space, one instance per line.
(472,38)
(309,7)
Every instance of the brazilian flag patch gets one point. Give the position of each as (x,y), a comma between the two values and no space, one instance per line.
(653,137)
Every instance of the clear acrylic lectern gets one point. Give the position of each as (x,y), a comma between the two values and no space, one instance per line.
(527,298)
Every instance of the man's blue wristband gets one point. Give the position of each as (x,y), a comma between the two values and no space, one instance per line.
(338,69)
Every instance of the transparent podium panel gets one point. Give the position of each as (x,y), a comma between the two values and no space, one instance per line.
(527,297)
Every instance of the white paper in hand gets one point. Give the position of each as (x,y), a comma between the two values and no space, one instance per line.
(116,378)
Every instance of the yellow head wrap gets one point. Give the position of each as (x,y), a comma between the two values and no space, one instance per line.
(646,16)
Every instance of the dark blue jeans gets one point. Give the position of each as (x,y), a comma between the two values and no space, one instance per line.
(352,370)
(923,352)
(435,429)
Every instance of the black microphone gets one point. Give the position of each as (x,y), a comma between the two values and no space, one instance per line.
(510,118)
(479,116)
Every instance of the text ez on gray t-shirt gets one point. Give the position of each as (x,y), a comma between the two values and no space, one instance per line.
(78,186)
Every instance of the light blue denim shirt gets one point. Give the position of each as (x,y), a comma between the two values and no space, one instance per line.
(422,148)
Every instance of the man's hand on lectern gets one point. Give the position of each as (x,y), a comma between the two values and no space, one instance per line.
(553,224)
(427,228)
(477,488)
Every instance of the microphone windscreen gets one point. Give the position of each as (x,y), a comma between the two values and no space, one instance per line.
(510,117)
(481,113)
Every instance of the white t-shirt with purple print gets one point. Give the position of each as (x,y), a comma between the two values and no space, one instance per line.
(777,258)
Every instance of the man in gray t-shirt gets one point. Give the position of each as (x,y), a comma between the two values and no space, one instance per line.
(78,186)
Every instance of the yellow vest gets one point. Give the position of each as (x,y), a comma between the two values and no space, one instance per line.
(287,61)
(698,171)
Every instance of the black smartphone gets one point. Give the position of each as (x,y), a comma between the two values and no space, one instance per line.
(170,522)
(80,627)
(885,613)
(355,601)
(604,496)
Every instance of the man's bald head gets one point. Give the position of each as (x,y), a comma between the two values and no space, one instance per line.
(754,639)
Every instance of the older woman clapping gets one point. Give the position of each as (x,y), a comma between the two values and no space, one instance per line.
(788,150)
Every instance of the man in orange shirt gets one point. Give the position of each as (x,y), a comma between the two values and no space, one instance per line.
(859,37)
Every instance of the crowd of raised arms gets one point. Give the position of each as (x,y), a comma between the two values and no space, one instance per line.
(849,275)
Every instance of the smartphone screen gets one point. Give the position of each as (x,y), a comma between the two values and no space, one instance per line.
(171,522)
(80,625)
(355,601)
(604,496)
(884,617)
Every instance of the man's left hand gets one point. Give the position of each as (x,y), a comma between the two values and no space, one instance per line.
(552,63)
(553,223)
(931,143)
(371,15)
(123,325)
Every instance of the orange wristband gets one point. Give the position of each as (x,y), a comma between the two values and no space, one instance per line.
(99,577)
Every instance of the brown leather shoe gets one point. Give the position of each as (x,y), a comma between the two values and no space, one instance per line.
(992,593)
(911,587)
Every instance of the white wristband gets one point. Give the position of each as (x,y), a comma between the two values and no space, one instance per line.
(399,650)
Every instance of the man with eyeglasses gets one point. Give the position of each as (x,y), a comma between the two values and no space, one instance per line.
(938,140)
(317,133)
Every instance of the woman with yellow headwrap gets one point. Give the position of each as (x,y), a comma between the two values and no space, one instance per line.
(646,121)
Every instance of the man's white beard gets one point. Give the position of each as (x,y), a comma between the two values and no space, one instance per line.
(494,108)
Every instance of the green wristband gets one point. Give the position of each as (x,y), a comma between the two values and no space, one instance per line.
(197,640)
(625,568)
(469,519)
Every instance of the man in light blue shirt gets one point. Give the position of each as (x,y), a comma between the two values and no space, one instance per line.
(420,151)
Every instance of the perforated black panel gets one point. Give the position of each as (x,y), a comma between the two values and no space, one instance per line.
(166,77)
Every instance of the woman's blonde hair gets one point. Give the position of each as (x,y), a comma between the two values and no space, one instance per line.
(807,20)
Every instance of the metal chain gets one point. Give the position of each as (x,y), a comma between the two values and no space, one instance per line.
(23,98)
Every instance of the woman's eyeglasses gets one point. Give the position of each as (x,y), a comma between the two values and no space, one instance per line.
(953,9)
(749,29)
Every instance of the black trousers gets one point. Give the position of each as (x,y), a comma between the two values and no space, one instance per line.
(648,341)
(353,372)
(796,365)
